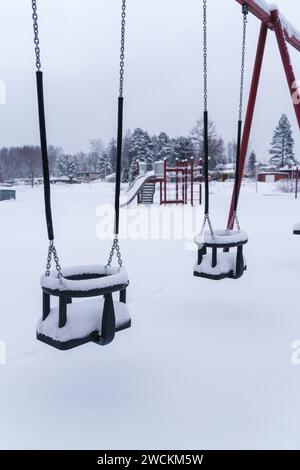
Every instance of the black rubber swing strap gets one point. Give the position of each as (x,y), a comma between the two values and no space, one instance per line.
(119,164)
(205,114)
(120,121)
(237,169)
(245,12)
(44,151)
(206,174)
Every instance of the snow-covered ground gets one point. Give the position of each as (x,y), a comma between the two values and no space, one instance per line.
(206,365)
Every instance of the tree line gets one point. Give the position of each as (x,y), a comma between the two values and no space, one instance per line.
(25,162)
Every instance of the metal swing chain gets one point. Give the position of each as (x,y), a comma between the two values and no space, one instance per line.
(36,36)
(245,11)
(52,252)
(205,98)
(208,221)
(235,219)
(115,248)
(122,48)
(205,73)
(115,245)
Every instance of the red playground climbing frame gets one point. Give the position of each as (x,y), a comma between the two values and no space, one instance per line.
(270,20)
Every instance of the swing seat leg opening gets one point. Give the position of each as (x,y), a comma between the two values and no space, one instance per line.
(73,324)
(220,265)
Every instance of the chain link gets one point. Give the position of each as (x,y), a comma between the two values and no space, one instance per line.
(115,248)
(36,35)
(122,48)
(53,253)
(235,219)
(245,12)
(205,94)
(208,221)
(115,245)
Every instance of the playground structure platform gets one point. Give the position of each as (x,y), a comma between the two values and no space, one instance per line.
(178,184)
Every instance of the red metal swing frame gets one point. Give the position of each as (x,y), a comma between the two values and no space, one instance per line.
(273,22)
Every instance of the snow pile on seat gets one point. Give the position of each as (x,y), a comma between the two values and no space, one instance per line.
(226,263)
(222,237)
(112,276)
(83,319)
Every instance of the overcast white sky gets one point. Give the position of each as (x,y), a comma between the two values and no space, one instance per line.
(163,86)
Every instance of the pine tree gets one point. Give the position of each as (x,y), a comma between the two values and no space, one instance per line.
(125,151)
(140,148)
(252,163)
(125,175)
(162,147)
(105,167)
(67,166)
(183,148)
(282,145)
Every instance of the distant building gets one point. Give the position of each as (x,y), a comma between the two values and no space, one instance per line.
(87,176)
(271,176)
(6,194)
(290,170)
(225,171)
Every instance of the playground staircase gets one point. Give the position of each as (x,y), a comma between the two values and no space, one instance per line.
(147,193)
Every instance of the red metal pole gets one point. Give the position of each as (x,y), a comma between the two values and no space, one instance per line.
(200,179)
(297,179)
(287,64)
(250,111)
(165,181)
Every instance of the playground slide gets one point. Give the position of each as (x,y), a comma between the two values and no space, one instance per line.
(136,187)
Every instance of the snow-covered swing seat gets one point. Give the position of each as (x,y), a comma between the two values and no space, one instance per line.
(70,324)
(220,252)
(221,262)
(73,324)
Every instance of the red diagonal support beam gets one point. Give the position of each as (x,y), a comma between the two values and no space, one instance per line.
(272,21)
(287,64)
(250,110)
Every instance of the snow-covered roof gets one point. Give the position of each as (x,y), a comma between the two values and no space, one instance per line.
(289,168)
(273,172)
